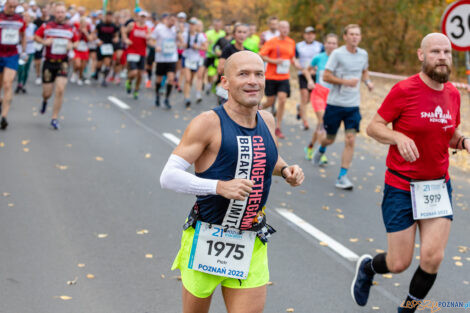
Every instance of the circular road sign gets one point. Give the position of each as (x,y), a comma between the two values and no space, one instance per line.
(456,24)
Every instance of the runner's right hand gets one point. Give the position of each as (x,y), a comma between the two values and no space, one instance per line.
(406,146)
(351,82)
(237,189)
(48,42)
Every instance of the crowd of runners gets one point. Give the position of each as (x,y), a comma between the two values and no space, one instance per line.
(234,146)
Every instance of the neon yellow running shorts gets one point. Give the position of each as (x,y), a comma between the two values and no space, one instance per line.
(202,285)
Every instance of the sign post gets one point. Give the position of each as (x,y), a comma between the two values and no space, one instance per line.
(456,25)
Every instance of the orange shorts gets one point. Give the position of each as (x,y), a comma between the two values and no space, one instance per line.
(318,97)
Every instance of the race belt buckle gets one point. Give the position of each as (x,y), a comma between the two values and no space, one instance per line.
(430,199)
(221,251)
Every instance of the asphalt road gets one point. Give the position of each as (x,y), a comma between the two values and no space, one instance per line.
(85,226)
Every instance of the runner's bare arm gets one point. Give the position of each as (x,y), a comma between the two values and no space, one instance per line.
(293,174)
(23,42)
(378,130)
(457,141)
(196,138)
(308,76)
(270,60)
(220,66)
(366,80)
(332,79)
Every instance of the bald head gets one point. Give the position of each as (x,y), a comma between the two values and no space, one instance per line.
(239,59)
(434,38)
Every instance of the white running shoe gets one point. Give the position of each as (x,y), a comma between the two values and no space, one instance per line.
(344,183)
(87,82)
(80,82)
(73,78)
(38,81)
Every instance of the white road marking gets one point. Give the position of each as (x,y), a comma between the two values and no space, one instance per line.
(172,138)
(318,234)
(119,103)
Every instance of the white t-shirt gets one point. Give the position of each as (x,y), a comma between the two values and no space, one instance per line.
(166,40)
(306,52)
(190,53)
(268,35)
(29,33)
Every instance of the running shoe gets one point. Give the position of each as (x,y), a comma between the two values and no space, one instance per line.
(187,103)
(360,287)
(23,90)
(38,81)
(136,95)
(104,83)
(148,84)
(110,79)
(319,159)
(44,106)
(117,80)
(87,82)
(0,106)
(298,111)
(157,101)
(128,87)
(308,153)
(305,126)
(279,133)
(198,100)
(18,89)
(167,104)
(80,82)
(73,78)
(55,124)
(344,183)
(3,123)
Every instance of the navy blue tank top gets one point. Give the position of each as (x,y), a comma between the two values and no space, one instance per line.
(248,153)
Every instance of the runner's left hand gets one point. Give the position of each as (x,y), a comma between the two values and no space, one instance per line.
(370,85)
(294,175)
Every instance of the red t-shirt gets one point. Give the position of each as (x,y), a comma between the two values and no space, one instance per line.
(138,36)
(427,116)
(10,28)
(61,34)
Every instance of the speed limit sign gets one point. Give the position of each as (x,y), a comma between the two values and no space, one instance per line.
(456,24)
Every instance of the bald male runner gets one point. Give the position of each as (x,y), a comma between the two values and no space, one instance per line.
(425,113)
(234,152)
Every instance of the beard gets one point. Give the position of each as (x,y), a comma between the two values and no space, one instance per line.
(433,73)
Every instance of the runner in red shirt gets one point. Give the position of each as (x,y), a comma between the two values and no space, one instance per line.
(136,36)
(12,29)
(81,52)
(425,113)
(58,38)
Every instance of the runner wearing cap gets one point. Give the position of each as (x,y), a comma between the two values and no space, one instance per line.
(279,53)
(58,38)
(319,94)
(12,28)
(194,42)
(166,37)
(306,50)
(235,154)
(135,37)
(179,75)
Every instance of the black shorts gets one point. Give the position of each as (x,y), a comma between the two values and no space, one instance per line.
(38,54)
(303,83)
(334,115)
(150,55)
(53,69)
(118,46)
(209,62)
(275,86)
(94,50)
(164,68)
(139,65)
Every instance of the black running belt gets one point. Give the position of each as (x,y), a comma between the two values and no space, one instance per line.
(408,179)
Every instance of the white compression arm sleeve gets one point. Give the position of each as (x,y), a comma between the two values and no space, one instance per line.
(174,177)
